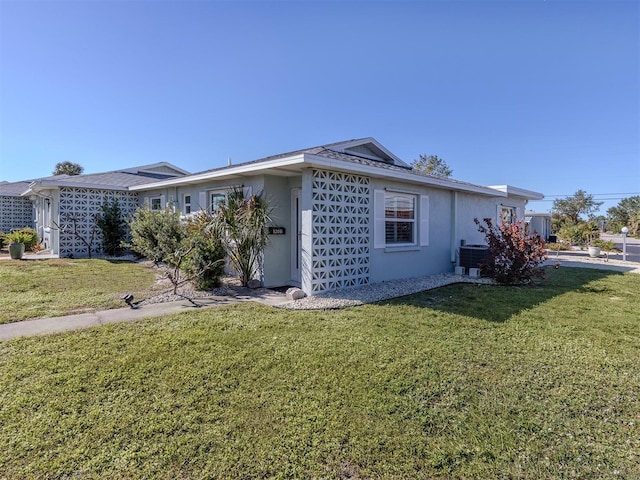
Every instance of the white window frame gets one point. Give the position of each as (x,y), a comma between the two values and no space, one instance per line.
(157,199)
(186,205)
(393,203)
(212,206)
(509,211)
(420,220)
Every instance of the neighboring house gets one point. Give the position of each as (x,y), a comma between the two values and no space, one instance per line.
(16,212)
(66,206)
(349,213)
(540,223)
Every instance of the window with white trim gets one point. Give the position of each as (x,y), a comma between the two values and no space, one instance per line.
(155,203)
(400,219)
(508,215)
(215,199)
(186,204)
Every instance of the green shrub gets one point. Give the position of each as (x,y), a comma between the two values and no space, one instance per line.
(205,263)
(557,246)
(2,239)
(26,235)
(579,234)
(156,235)
(113,227)
(605,245)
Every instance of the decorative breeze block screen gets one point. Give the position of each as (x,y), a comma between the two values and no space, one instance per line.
(15,213)
(341,231)
(78,210)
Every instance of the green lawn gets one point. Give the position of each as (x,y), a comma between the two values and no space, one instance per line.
(54,287)
(466,381)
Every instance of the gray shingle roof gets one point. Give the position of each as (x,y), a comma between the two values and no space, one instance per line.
(107,179)
(328,151)
(13,189)
(117,179)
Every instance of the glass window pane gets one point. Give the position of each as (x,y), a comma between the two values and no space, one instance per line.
(399,232)
(399,206)
(216,200)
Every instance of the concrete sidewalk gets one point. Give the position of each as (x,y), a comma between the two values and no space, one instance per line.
(43,326)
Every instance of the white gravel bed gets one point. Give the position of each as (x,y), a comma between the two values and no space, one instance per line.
(376,292)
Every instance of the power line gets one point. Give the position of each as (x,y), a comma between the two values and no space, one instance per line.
(603,199)
(597,194)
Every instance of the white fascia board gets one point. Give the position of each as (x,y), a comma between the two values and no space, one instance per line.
(518,192)
(39,185)
(531,213)
(401,176)
(240,169)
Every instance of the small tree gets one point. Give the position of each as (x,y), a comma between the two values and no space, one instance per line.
(568,211)
(113,227)
(432,165)
(162,238)
(242,225)
(190,246)
(68,168)
(514,256)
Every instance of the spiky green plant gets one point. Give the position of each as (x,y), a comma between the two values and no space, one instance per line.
(242,223)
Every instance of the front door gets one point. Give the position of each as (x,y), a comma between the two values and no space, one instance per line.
(296,236)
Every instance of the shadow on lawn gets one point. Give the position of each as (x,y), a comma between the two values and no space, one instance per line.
(497,303)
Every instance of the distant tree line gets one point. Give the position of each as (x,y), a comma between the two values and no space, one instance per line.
(575,218)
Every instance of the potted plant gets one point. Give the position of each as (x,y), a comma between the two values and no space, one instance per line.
(594,250)
(602,245)
(17,240)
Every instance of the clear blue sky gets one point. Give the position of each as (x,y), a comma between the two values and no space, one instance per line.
(542,95)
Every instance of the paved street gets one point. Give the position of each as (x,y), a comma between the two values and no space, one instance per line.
(633,246)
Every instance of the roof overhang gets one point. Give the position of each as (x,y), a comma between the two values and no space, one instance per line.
(39,187)
(512,191)
(294,165)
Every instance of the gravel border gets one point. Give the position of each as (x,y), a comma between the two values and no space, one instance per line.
(350,297)
(353,296)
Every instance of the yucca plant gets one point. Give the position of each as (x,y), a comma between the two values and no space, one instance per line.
(242,225)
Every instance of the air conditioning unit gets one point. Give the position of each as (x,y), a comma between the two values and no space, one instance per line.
(471,256)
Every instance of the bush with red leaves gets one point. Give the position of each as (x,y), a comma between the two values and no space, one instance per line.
(514,256)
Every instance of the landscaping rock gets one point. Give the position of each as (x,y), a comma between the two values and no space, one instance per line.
(253,284)
(294,293)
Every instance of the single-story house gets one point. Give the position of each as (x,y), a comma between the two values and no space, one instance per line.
(540,223)
(345,214)
(349,213)
(64,206)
